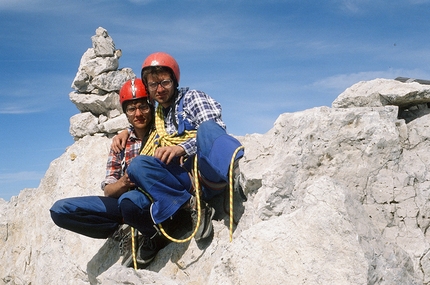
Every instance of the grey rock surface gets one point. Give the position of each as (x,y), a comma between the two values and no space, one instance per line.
(335,195)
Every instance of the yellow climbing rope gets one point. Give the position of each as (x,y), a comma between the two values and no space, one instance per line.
(231,190)
(164,139)
(197,191)
(133,247)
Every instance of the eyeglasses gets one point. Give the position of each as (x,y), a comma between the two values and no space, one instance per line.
(143,108)
(167,83)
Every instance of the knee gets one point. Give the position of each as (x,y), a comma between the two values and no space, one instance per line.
(56,211)
(136,217)
(128,208)
(209,131)
(125,205)
(58,206)
(56,218)
(138,162)
(134,169)
(209,125)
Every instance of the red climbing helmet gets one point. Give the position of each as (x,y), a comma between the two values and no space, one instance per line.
(162,59)
(131,90)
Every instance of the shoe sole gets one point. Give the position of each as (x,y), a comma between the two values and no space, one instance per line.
(140,262)
(145,262)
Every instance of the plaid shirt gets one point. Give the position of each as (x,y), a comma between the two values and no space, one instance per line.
(198,107)
(117,162)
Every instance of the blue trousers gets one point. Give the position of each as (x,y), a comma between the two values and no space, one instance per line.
(99,217)
(169,185)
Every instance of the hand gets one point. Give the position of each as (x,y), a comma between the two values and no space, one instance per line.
(121,186)
(119,141)
(126,182)
(167,153)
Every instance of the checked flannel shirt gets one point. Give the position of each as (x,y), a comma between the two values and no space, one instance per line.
(198,107)
(116,165)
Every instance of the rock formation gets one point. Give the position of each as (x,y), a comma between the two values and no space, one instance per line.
(97,84)
(336,195)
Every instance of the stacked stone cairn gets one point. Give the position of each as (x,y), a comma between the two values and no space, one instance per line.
(97,84)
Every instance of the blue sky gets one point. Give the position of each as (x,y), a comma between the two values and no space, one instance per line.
(259,59)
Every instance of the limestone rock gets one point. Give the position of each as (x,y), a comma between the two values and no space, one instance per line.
(83,124)
(102,43)
(97,84)
(37,251)
(95,104)
(381,92)
(412,98)
(112,80)
(114,125)
(334,196)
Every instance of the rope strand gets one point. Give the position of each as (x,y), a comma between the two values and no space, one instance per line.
(230,184)
(199,212)
(133,247)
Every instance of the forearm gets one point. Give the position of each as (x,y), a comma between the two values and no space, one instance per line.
(115,190)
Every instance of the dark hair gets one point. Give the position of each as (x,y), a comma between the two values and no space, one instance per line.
(155,71)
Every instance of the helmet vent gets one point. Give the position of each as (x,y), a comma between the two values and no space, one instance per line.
(133,89)
(155,63)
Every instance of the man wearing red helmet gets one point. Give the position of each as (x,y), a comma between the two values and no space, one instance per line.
(188,122)
(122,203)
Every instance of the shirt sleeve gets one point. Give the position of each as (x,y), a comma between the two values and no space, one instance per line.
(189,146)
(198,108)
(113,169)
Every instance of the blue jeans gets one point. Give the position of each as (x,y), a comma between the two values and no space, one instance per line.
(169,185)
(99,217)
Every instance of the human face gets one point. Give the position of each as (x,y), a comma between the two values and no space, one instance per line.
(163,95)
(139,120)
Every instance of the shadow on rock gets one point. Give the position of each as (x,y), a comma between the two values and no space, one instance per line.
(107,256)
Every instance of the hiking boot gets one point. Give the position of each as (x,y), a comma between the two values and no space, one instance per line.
(121,232)
(126,247)
(148,249)
(205,228)
(123,236)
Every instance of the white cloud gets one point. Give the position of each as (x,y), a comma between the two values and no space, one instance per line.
(20,176)
(21,97)
(351,5)
(18,109)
